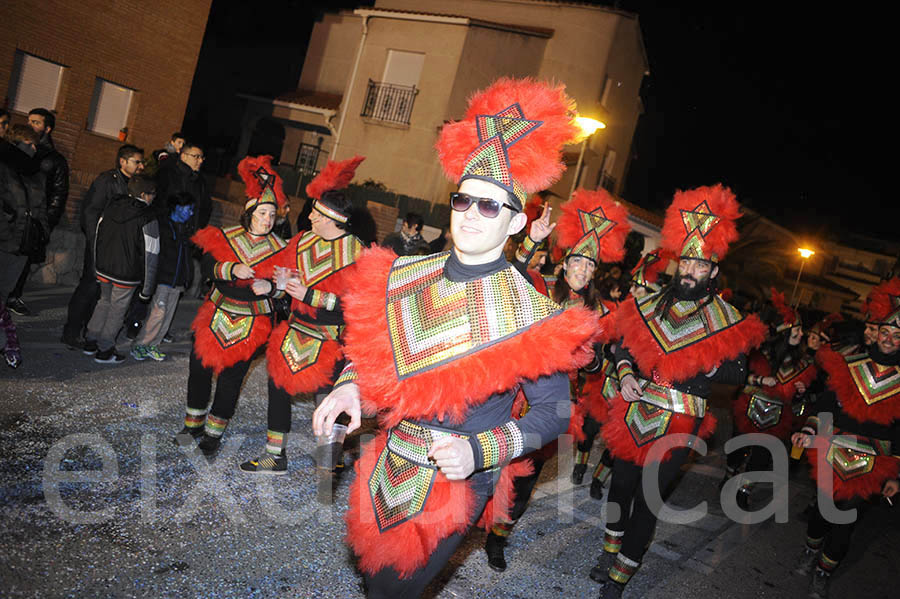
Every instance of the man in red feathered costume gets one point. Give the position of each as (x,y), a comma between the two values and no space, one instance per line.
(780,374)
(674,343)
(592,228)
(233,323)
(304,352)
(438,346)
(859,445)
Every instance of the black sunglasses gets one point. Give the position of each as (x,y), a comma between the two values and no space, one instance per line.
(487,207)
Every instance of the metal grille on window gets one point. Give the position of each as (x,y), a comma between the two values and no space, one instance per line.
(389,102)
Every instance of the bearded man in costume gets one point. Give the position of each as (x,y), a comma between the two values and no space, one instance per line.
(674,343)
(439,345)
(304,353)
(234,321)
(591,229)
(860,442)
(780,373)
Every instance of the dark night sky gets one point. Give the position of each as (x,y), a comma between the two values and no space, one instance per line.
(787,103)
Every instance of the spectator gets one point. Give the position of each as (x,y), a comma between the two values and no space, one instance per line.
(4,123)
(184,176)
(441,242)
(22,196)
(408,240)
(174,275)
(126,248)
(172,149)
(109,184)
(56,177)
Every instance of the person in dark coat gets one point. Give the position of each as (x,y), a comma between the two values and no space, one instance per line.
(109,184)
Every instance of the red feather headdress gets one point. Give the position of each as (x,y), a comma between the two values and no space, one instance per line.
(882,306)
(701,223)
(593,225)
(649,267)
(262,184)
(512,135)
(335,175)
(789,317)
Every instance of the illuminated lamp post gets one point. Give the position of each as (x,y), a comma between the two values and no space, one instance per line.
(805,254)
(588,127)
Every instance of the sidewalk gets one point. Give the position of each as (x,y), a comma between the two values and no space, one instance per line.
(156,521)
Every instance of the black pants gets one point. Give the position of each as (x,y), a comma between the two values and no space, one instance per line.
(386,583)
(591,429)
(758,459)
(84,298)
(228,386)
(16,293)
(279,409)
(837,536)
(637,520)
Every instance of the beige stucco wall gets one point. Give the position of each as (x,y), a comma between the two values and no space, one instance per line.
(331,52)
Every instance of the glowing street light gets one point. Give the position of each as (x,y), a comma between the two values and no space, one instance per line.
(805,253)
(588,126)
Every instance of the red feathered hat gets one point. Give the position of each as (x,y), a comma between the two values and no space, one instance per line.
(512,136)
(882,306)
(823,327)
(262,185)
(593,225)
(335,175)
(649,267)
(789,317)
(701,223)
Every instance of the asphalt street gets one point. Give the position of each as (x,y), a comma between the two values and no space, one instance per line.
(97,502)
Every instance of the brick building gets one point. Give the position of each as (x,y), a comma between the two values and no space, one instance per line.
(109,70)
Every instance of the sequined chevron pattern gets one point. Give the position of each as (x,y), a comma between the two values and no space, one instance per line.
(318,258)
(250,249)
(646,422)
(432,320)
(790,369)
(874,381)
(229,329)
(403,476)
(300,347)
(849,463)
(686,322)
(697,224)
(594,225)
(764,411)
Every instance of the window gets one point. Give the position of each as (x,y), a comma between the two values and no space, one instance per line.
(35,83)
(391,99)
(109,108)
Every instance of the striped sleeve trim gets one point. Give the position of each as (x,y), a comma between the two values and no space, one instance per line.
(348,375)
(321,299)
(223,271)
(497,446)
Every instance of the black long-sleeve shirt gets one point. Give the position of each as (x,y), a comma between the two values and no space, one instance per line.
(731,372)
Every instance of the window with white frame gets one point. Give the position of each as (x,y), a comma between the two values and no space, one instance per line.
(35,83)
(109,108)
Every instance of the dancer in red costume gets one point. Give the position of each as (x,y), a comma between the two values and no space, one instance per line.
(859,443)
(674,343)
(780,374)
(591,229)
(233,323)
(304,353)
(439,345)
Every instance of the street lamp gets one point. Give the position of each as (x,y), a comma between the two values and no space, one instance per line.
(805,253)
(588,127)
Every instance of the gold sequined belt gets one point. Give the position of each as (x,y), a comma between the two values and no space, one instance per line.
(241,307)
(671,399)
(412,441)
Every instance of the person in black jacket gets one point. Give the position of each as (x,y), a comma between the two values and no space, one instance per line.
(184,176)
(174,274)
(21,194)
(109,184)
(126,251)
(56,175)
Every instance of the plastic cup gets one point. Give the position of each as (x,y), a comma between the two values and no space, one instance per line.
(329,447)
(796,452)
(282,275)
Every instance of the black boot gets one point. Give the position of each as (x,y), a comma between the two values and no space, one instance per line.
(611,590)
(596,489)
(743,498)
(209,445)
(600,572)
(578,473)
(187,435)
(493,546)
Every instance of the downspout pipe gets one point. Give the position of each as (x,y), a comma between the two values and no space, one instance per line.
(346,103)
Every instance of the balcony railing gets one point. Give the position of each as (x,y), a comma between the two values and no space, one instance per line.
(388,102)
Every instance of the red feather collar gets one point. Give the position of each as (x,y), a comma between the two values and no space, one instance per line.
(699,356)
(558,343)
(841,381)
